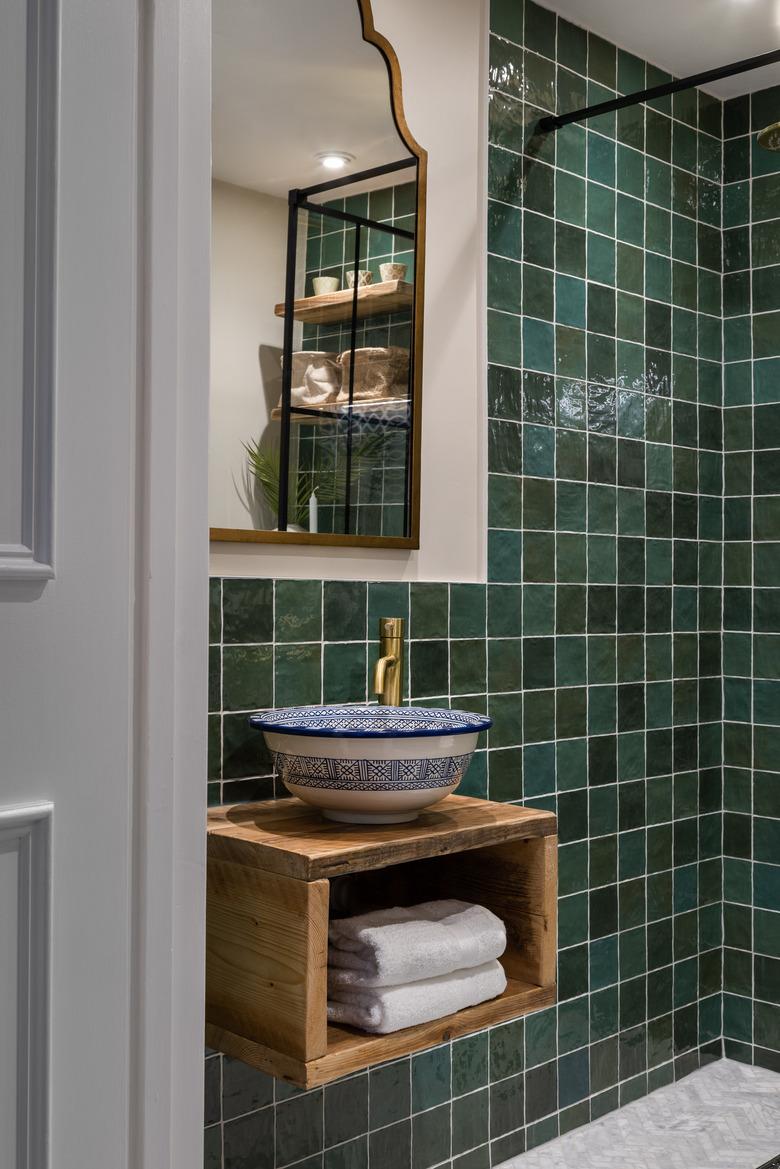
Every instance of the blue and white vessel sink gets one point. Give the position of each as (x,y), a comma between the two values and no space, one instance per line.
(370,764)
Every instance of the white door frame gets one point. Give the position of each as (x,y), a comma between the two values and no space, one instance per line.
(172,556)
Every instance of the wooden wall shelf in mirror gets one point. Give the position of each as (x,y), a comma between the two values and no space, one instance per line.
(317,280)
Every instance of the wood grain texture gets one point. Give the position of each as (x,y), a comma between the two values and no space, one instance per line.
(278,869)
(389,296)
(350,1051)
(286,836)
(267,956)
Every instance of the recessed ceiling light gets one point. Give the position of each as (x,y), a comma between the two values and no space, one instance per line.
(335,159)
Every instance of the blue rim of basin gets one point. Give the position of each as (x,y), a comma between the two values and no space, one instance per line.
(370,722)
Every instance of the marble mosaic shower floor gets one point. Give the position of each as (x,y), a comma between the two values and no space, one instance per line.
(724,1116)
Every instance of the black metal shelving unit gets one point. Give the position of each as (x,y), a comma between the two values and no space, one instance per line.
(299,201)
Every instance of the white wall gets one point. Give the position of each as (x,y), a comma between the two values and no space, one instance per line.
(248,242)
(442,47)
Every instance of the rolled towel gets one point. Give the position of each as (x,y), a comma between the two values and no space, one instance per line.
(391,947)
(391,1008)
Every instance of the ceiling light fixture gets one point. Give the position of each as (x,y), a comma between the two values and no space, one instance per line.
(335,159)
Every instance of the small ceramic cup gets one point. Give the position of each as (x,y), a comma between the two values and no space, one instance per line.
(364,277)
(323,284)
(392,271)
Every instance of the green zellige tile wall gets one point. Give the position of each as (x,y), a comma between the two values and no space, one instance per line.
(751,641)
(598,645)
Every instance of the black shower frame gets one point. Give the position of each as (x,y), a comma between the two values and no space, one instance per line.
(300,200)
(557,121)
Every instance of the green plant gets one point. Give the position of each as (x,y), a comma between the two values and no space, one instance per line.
(265,467)
(328,479)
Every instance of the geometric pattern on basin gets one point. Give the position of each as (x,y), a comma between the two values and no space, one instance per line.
(373,775)
(366,722)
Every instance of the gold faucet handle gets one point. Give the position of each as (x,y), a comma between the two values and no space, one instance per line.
(391,627)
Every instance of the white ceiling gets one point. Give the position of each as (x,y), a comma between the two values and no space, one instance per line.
(292,78)
(688,36)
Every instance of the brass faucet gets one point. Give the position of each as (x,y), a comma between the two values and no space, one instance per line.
(389,669)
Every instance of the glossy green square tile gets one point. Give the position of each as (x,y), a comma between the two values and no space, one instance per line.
(506,67)
(538,557)
(538,450)
(504,556)
(572,46)
(505,773)
(504,339)
(539,716)
(504,284)
(386,600)
(389,1094)
(570,198)
(504,665)
(467,666)
(431,1072)
(390,1148)
(538,609)
(431,1137)
(247,678)
(570,249)
(504,610)
(506,19)
(344,610)
(344,673)
(601,258)
(297,674)
(467,610)
(539,345)
(600,209)
(570,660)
(571,145)
(504,230)
(429,668)
(346,1109)
(470,1125)
(538,291)
(601,159)
(428,610)
(469,1063)
(247,610)
(298,610)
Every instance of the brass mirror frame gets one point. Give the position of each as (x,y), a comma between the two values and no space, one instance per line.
(252,536)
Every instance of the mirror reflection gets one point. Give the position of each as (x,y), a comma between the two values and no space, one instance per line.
(316,280)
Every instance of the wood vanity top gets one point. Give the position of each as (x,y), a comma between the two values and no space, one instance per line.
(290,838)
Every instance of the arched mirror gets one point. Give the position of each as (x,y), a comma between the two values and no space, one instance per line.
(317,276)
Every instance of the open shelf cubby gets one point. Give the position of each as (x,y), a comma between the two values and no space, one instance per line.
(277,870)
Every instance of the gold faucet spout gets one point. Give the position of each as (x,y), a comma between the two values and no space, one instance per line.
(389,668)
(380,672)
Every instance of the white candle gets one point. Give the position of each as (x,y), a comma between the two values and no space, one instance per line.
(313,512)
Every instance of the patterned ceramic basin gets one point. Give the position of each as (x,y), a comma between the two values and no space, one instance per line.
(370,764)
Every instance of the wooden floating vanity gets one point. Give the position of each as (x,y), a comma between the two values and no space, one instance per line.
(277,869)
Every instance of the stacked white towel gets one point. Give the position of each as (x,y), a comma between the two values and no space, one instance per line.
(397,967)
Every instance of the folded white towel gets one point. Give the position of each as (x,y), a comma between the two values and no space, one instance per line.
(391,1008)
(394,946)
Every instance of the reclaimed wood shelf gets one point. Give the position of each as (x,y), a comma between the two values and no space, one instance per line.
(272,868)
(389,296)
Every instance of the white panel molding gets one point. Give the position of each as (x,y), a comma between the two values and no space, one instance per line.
(25,834)
(32,558)
(169,943)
